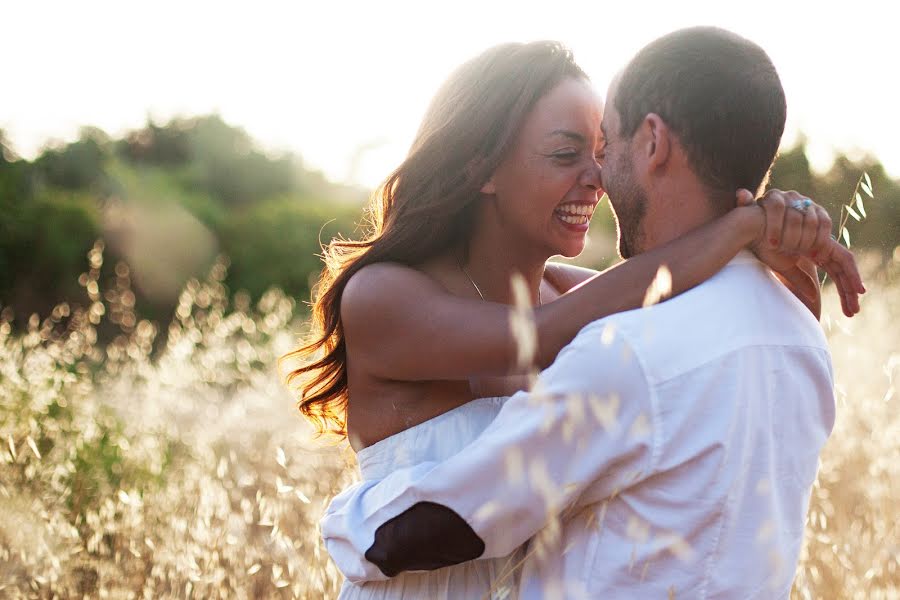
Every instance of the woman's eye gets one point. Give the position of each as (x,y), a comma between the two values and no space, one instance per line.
(566,155)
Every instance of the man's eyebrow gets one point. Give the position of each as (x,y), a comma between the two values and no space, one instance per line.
(569,134)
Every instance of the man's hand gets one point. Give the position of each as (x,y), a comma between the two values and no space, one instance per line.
(790,234)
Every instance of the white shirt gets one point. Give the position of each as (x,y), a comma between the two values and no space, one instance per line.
(679,443)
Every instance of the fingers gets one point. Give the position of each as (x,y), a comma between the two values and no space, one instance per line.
(823,235)
(841,267)
(798,234)
(800,228)
(774,205)
(809,230)
(792,231)
(849,302)
(847,261)
(744,197)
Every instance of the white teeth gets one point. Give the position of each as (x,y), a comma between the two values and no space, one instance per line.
(574,219)
(575,213)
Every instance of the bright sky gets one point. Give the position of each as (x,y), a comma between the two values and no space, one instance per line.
(344,84)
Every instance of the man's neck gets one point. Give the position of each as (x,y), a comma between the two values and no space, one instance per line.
(677,207)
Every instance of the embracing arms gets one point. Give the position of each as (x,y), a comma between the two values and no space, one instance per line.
(404,326)
(545,452)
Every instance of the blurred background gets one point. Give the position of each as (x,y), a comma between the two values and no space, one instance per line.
(168,171)
(179,131)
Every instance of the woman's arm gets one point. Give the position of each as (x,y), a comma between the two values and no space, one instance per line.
(802,280)
(402,325)
(797,273)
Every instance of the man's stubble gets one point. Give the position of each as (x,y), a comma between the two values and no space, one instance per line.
(629,206)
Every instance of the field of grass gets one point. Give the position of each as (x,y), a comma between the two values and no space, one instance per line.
(186,472)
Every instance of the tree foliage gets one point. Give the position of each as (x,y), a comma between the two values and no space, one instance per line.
(265,211)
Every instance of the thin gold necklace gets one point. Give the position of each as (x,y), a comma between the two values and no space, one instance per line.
(477,289)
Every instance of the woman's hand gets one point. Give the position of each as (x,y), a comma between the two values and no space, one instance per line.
(791,234)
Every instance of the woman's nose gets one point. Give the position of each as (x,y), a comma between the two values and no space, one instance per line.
(592,177)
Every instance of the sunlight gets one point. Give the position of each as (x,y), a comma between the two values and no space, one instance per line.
(345,85)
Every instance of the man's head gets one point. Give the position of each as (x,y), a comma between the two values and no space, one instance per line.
(694,116)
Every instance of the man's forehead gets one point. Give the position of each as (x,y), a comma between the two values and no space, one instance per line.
(610,116)
(613,86)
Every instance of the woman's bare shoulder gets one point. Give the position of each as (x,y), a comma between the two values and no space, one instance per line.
(385,287)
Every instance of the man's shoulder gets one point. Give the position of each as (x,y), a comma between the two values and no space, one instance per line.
(742,306)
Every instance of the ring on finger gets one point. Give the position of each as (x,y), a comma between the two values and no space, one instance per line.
(801,204)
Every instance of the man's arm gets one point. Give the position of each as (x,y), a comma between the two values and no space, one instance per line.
(592,409)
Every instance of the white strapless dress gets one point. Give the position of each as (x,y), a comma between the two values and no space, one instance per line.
(438,439)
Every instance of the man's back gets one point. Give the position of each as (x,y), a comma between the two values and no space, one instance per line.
(740,405)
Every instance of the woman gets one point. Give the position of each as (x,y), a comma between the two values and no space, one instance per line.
(413,323)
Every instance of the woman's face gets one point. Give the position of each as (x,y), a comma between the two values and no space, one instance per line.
(546,189)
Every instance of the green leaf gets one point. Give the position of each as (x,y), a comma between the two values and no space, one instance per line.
(846,235)
(859,205)
(852,212)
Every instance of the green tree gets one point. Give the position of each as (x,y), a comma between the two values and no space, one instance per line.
(76,166)
(277,243)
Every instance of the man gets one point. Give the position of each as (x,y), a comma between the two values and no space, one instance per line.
(679,442)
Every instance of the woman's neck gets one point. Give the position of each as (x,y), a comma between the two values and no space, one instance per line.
(494,256)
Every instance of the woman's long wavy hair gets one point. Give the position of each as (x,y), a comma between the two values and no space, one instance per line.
(427,205)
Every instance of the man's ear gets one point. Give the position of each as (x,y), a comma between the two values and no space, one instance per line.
(657,142)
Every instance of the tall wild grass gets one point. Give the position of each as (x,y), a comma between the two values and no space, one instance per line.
(175,466)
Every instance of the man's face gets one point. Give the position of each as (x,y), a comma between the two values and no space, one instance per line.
(626,196)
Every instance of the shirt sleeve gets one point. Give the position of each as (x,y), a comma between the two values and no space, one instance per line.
(584,433)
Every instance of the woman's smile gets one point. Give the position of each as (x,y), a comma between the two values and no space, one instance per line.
(575,216)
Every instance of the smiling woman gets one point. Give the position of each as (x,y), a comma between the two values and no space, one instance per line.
(547,186)
(427,211)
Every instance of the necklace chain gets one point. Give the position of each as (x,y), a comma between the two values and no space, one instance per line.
(477,289)
(466,273)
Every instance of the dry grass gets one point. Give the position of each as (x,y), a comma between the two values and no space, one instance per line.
(186,473)
(852,547)
(182,475)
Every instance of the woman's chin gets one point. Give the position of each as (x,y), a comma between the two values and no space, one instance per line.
(572,249)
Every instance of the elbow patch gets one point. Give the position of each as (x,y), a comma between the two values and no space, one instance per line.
(424,537)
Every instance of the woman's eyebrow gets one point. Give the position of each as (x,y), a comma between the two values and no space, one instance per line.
(568,133)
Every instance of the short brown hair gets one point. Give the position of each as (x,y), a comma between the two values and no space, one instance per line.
(719,93)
